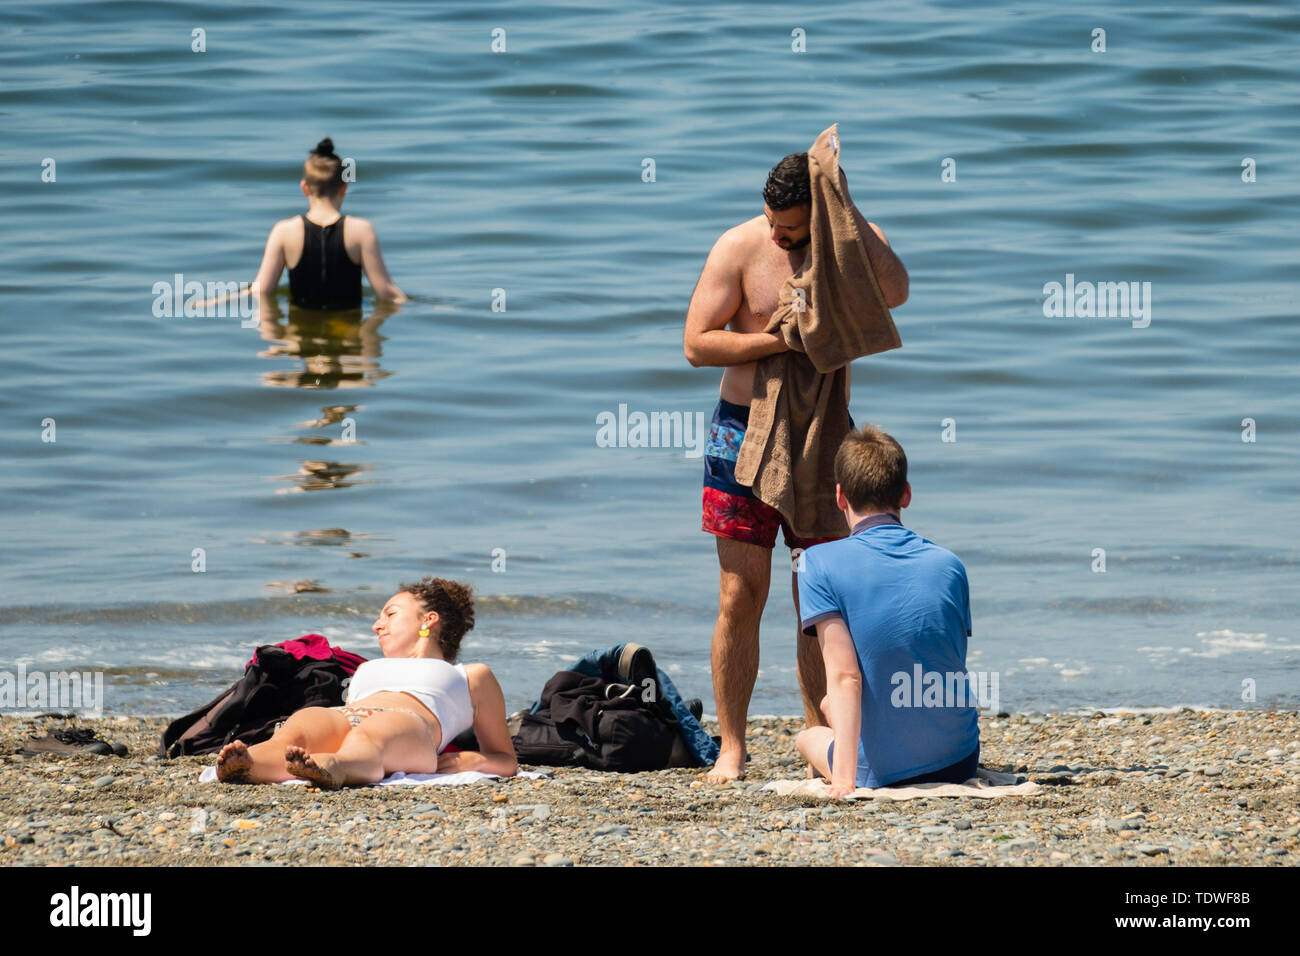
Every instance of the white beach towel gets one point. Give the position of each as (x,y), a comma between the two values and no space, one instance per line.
(987,785)
(399,779)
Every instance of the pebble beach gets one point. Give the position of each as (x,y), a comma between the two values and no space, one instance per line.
(1144,789)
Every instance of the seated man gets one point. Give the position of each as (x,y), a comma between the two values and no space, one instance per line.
(887,606)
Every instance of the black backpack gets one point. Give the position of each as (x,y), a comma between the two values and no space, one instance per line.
(585,721)
(274,685)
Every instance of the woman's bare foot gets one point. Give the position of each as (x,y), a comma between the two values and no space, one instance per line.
(302,765)
(729,766)
(234,763)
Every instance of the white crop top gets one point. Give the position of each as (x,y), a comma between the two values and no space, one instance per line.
(442,687)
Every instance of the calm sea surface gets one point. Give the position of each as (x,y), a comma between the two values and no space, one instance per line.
(473,430)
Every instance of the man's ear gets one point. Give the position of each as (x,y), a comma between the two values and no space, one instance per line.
(841,502)
(906,500)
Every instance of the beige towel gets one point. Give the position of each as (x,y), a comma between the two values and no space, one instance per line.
(988,785)
(830,312)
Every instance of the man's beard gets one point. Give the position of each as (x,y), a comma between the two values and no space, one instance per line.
(796,246)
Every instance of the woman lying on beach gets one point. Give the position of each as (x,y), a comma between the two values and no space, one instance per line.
(402,709)
(328,250)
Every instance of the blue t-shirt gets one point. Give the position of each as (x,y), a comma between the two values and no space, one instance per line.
(906,603)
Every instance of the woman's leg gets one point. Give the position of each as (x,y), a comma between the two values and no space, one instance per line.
(316,728)
(382,744)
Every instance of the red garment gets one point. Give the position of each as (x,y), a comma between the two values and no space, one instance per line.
(317,648)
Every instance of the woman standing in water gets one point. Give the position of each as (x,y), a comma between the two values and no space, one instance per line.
(325,250)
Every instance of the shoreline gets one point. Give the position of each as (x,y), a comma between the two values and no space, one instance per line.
(90,718)
(1149,789)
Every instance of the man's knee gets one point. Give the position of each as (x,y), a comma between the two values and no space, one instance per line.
(812,743)
(740,594)
(745,579)
(801,742)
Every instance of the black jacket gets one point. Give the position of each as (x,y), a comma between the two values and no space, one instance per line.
(274,685)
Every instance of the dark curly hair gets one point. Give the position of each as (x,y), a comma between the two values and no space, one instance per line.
(788,184)
(454,604)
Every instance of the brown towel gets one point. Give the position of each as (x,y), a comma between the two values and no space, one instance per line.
(799,413)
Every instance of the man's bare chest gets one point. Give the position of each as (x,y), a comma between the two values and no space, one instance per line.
(761,284)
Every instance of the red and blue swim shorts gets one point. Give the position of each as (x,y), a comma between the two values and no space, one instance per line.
(730,509)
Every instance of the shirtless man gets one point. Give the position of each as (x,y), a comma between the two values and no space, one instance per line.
(737,293)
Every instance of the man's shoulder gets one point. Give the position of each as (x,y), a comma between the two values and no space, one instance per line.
(828,550)
(941,555)
(828,559)
(860,548)
(739,239)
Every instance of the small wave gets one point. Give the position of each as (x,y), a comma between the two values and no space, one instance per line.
(362,604)
(1224,642)
(1128,605)
(1137,709)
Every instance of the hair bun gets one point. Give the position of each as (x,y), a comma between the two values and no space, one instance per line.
(325,147)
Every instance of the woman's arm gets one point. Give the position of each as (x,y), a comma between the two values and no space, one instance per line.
(268,274)
(267,278)
(496,753)
(372,261)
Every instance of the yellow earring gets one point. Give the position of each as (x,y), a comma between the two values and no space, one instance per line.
(424,632)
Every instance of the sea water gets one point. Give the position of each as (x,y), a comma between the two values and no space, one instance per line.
(546,183)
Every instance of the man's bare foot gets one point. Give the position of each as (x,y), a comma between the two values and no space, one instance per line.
(302,765)
(730,766)
(234,763)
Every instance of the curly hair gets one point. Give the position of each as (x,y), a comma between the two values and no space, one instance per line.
(788,184)
(454,604)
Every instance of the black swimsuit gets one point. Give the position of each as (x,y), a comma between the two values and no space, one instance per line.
(324,278)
